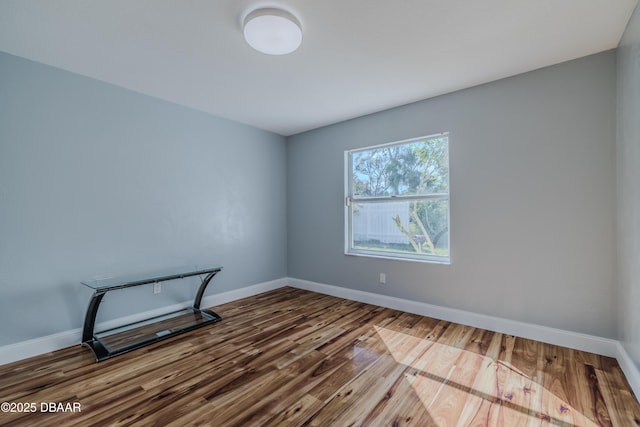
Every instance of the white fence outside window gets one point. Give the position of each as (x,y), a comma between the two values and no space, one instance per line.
(374,221)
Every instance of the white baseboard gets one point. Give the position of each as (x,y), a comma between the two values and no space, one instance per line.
(575,340)
(248,291)
(33,347)
(629,368)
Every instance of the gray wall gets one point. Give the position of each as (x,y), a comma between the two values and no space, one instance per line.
(96,180)
(628,166)
(532,199)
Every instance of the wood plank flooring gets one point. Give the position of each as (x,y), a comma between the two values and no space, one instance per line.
(291,358)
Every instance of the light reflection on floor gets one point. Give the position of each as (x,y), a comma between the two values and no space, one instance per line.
(450,380)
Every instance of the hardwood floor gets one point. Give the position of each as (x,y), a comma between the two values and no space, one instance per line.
(292,357)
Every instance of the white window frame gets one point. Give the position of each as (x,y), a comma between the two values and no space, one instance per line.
(349,198)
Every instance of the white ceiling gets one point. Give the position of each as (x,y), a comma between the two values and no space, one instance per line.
(357,56)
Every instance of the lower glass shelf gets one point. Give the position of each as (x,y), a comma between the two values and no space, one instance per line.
(111,342)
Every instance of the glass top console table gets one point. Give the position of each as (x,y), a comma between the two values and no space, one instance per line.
(108,343)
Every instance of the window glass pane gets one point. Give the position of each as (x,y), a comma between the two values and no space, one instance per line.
(416,227)
(418,167)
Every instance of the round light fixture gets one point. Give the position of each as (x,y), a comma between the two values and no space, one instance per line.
(272,31)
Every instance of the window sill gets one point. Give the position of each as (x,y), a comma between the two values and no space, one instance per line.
(434,260)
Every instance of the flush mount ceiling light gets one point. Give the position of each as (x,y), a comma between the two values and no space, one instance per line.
(272,31)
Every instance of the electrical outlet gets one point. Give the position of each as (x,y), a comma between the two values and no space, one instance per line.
(383,278)
(157,288)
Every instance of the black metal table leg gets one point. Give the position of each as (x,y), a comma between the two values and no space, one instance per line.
(88,339)
(90,317)
(201,289)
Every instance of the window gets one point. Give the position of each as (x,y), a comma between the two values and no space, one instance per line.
(397,202)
